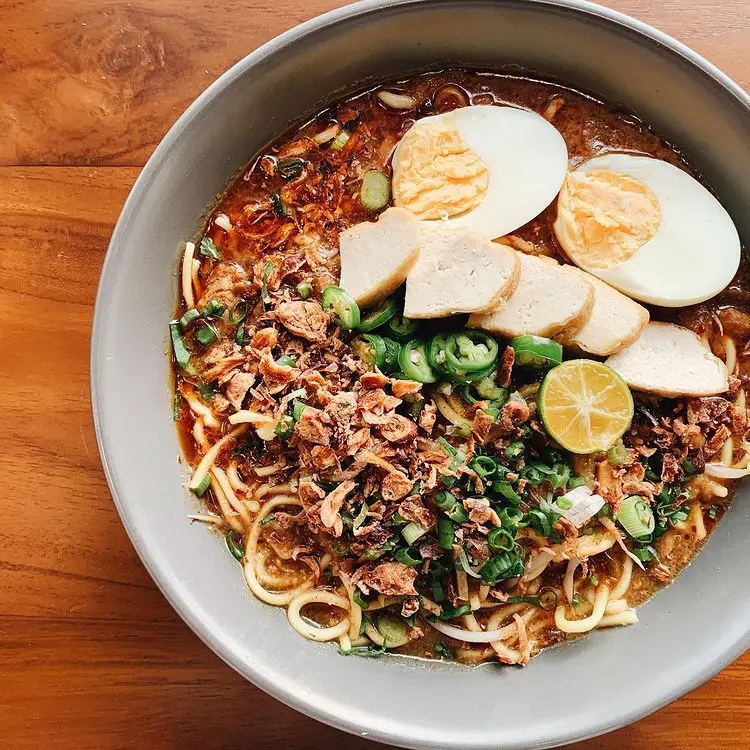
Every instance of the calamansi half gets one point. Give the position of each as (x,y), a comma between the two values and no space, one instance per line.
(585,406)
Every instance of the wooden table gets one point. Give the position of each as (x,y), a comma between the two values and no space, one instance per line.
(91,655)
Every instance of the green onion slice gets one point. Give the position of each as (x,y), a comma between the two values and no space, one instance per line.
(291,167)
(304,289)
(297,408)
(408,556)
(206,334)
(203,486)
(235,545)
(344,307)
(376,190)
(340,140)
(209,249)
(536,351)
(413,362)
(189,316)
(446,533)
(413,531)
(636,517)
(181,352)
(238,313)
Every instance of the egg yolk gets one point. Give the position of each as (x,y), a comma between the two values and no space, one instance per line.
(604,218)
(437,175)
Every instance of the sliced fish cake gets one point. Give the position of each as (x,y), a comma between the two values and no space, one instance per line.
(376,256)
(615,321)
(670,361)
(549,300)
(459,271)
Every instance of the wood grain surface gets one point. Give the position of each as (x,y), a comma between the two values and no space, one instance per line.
(91,655)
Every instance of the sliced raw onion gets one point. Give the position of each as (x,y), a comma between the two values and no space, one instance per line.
(468,636)
(726,472)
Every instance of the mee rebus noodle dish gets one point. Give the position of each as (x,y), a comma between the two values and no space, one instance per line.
(460,368)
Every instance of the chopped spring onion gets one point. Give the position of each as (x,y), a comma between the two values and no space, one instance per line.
(578,505)
(450,613)
(291,167)
(392,629)
(408,556)
(278,206)
(442,650)
(636,517)
(501,539)
(502,566)
(203,486)
(297,408)
(213,310)
(458,513)
(618,454)
(286,361)
(360,599)
(344,307)
(392,350)
(713,511)
(285,427)
(547,600)
(209,249)
(360,518)
(235,545)
(446,533)
(181,352)
(368,651)
(462,563)
(376,190)
(413,531)
(206,334)
(514,449)
(445,500)
(238,313)
(340,140)
(536,351)
(304,289)
(485,466)
(189,316)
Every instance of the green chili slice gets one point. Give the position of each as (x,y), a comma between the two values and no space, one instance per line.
(401,328)
(378,315)
(413,362)
(536,351)
(344,307)
(235,545)
(470,351)
(392,350)
(370,348)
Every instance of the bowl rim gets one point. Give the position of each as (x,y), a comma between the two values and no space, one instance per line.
(310,705)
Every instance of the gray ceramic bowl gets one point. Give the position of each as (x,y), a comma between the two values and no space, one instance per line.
(686,634)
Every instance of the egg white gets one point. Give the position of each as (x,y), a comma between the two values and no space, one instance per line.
(694,253)
(526,159)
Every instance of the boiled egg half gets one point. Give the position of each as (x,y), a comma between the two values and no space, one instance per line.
(648,229)
(485,168)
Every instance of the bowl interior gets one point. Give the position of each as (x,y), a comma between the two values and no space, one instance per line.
(561,696)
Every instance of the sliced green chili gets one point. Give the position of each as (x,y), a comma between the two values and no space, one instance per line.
(370,348)
(304,289)
(536,351)
(470,351)
(413,362)
(378,315)
(400,328)
(344,307)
